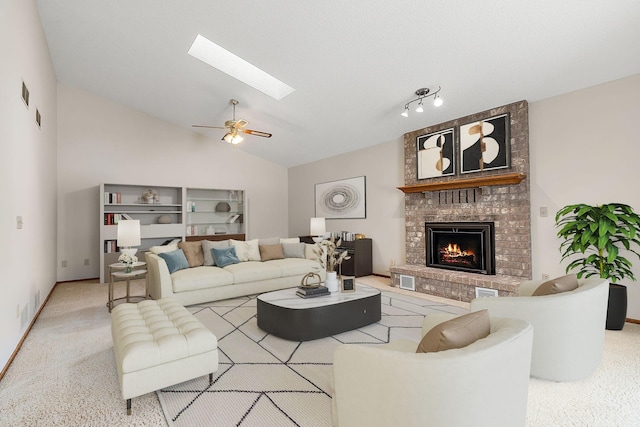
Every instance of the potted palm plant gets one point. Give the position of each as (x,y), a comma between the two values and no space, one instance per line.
(593,237)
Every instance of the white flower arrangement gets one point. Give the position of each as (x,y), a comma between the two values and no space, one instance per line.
(127,259)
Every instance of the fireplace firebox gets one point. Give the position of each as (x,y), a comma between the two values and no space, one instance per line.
(463,246)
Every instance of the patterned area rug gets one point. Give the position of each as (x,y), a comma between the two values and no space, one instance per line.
(265,380)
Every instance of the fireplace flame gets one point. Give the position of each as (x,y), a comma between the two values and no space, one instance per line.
(452,253)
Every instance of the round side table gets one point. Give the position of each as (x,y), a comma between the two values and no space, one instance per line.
(117,273)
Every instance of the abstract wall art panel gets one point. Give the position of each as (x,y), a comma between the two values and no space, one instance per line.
(436,154)
(484,144)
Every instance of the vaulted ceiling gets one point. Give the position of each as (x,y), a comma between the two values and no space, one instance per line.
(353,64)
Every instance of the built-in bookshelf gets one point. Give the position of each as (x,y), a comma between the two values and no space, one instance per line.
(214,212)
(167,213)
(160,215)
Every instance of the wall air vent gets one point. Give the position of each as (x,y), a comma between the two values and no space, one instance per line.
(484,292)
(25,95)
(407,282)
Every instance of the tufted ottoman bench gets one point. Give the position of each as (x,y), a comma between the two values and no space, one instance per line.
(158,344)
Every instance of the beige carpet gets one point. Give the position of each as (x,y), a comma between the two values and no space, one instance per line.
(65,375)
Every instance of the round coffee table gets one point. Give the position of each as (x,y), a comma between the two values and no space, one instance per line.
(286,315)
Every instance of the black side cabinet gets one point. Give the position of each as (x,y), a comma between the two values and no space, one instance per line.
(360,262)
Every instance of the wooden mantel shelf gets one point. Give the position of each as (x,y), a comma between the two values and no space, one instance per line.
(506,179)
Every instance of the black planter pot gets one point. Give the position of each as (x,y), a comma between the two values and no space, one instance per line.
(617,307)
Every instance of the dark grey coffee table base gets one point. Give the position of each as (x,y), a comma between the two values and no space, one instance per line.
(313,322)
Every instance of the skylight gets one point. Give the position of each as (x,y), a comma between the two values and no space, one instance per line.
(225,61)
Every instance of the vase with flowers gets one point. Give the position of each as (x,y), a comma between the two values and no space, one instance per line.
(128,261)
(330,258)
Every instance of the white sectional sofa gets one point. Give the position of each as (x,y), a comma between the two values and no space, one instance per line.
(202,283)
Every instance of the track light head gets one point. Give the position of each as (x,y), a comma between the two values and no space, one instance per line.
(421,94)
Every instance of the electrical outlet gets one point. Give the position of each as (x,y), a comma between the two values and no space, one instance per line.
(19,222)
(544,212)
(86,261)
(64,263)
(545,276)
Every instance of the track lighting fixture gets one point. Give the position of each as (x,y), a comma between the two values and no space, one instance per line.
(421,95)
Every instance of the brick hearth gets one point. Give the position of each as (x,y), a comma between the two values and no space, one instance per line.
(508,206)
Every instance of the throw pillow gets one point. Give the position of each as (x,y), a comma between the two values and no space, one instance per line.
(193,252)
(293,250)
(207,245)
(165,248)
(456,333)
(558,285)
(269,252)
(175,260)
(225,256)
(247,250)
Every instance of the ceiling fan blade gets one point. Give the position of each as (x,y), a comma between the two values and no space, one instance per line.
(210,127)
(240,123)
(255,132)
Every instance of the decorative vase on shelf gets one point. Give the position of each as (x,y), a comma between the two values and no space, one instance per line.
(331,282)
(128,268)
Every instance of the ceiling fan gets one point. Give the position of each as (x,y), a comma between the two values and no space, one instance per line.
(234,127)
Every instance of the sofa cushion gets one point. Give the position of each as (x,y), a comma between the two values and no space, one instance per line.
(225,256)
(558,285)
(164,248)
(193,252)
(196,278)
(246,250)
(175,260)
(269,252)
(207,245)
(293,250)
(290,240)
(252,271)
(456,333)
(295,266)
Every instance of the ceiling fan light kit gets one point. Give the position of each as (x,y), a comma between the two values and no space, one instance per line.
(421,94)
(233,127)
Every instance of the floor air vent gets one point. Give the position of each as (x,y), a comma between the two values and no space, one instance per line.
(484,292)
(407,282)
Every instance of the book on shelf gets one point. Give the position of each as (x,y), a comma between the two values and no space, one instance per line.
(110,246)
(112,198)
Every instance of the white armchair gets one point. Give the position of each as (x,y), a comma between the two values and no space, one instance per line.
(568,328)
(485,383)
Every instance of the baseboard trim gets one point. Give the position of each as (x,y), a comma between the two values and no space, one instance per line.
(26,332)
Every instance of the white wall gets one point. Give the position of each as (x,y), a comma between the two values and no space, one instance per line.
(100,141)
(27,170)
(585,148)
(384,224)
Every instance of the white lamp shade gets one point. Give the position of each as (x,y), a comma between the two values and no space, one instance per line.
(128,233)
(317,227)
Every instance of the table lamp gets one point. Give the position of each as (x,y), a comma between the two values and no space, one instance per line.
(128,236)
(317,229)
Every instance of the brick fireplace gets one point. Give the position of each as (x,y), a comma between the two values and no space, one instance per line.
(499,196)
